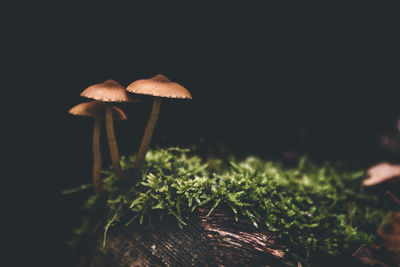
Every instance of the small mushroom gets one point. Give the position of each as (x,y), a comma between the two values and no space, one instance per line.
(96,110)
(110,91)
(158,86)
(382,172)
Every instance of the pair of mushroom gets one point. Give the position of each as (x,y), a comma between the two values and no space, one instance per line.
(158,86)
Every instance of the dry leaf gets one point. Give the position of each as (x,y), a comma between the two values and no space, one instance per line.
(390,234)
(374,256)
(382,172)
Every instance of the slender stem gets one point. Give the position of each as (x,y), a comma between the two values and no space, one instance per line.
(112,143)
(148,133)
(349,213)
(393,197)
(97,158)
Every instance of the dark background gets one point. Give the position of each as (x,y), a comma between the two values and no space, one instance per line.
(268,80)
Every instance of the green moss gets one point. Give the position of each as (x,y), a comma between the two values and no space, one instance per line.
(320,210)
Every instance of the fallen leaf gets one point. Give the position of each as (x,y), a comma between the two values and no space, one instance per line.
(390,234)
(374,256)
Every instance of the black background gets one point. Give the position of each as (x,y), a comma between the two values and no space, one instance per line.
(310,78)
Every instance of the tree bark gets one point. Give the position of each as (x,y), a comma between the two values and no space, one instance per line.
(217,240)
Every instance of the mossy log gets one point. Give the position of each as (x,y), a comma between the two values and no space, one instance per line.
(217,240)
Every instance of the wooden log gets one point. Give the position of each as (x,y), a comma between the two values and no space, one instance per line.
(217,240)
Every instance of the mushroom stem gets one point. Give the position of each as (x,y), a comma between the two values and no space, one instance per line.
(112,143)
(97,158)
(148,133)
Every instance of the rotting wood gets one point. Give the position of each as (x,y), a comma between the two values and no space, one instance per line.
(217,240)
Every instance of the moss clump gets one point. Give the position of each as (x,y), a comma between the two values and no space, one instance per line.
(318,210)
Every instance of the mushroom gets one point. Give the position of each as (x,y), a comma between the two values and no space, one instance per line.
(382,172)
(110,91)
(158,86)
(96,110)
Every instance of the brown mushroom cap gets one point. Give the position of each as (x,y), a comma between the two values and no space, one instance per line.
(108,91)
(96,109)
(382,172)
(160,86)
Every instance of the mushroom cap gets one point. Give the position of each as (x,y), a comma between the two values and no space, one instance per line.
(160,86)
(96,109)
(382,172)
(108,91)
